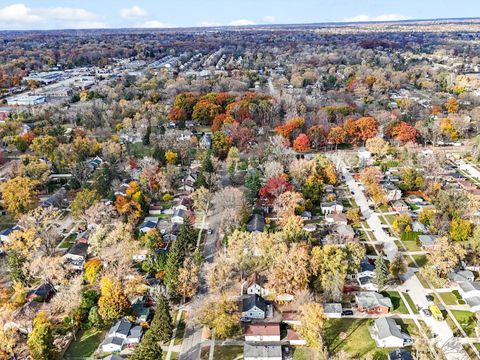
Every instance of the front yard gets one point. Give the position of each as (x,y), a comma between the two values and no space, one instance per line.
(352,336)
(467,321)
(86,344)
(397,302)
(234,352)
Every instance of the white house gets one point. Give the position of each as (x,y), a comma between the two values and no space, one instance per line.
(262,332)
(77,255)
(148,224)
(387,333)
(365,275)
(262,352)
(469,289)
(331,207)
(256,285)
(120,334)
(179,216)
(333,310)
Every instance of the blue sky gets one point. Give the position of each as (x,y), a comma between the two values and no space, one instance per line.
(58,14)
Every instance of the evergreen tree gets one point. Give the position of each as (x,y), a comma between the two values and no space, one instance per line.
(40,340)
(162,324)
(15,262)
(149,348)
(207,165)
(380,274)
(179,250)
(159,154)
(102,180)
(253,182)
(146,137)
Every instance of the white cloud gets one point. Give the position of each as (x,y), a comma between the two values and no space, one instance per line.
(133,12)
(384,17)
(209,24)
(242,22)
(154,24)
(20,16)
(269,19)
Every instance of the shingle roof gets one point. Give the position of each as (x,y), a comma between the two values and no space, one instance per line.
(253,300)
(262,351)
(122,326)
(79,249)
(387,327)
(370,299)
(256,223)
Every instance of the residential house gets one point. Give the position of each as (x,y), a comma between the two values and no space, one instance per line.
(399,354)
(333,310)
(42,293)
(140,309)
(364,156)
(294,338)
(121,334)
(113,357)
(256,285)
(387,333)
(427,242)
(256,224)
(254,307)
(373,303)
(5,234)
(459,276)
(400,206)
(331,207)
(365,275)
(310,227)
(470,292)
(262,332)
(77,255)
(262,352)
(206,141)
(336,218)
(391,190)
(418,227)
(140,255)
(57,200)
(148,224)
(179,216)
(306,215)
(344,231)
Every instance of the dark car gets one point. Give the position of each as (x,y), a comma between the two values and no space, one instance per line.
(427,312)
(347,312)
(245,320)
(429,297)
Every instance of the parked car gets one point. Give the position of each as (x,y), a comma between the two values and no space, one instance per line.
(429,297)
(347,312)
(427,312)
(245,320)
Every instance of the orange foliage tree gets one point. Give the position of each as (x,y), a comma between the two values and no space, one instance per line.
(301,143)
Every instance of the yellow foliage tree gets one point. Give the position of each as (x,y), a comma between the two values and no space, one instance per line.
(113,303)
(19,195)
(171,157)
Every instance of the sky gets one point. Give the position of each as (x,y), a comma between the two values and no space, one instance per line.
(69,14)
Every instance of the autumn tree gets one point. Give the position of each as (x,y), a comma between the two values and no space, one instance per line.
(290,126)
(301,143)
(460,230)
(188,278)
(274,187)
(221,144)
(286,203)
(398,266)
(219,315)
(45,146)
(40,340)
(445,256)
(92,269)
(312,324)
(337,136)
(405,133)
(205,111)
(452,105)
(84,199)
(19,195)
(367,127)
(113,303)
(171,157)
(377,146)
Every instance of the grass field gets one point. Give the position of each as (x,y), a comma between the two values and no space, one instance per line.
(411,236)
(85,345)
(352,336)
(411,303)
(448,298)
(397,302)
(411,245)
(223,352)
(466,320)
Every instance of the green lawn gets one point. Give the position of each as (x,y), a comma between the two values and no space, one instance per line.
(304,353)
(421,260)
(448,298)
(180,330)
(411,245)
(85,345)
(390,218)
(411,303)
(467,321)
(68,242)
(223,352)
(352,336)
(411,236)
(397,302)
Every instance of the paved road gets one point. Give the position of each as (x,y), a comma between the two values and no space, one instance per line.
(450,345)
(192,339)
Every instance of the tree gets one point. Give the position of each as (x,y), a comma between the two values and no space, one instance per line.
(312,324)
(402,223)
(448,129)
(84,199)
(405,133)
(92,268)
(219,315)
(149,348)
(113,303)
(205,111)
(301,143)
(411,179)
(426,216)
(290,126)
(45,146)
(368,128)
(460,230)
(221,144)
(162,325)
(188,278)
(274,187)
(286,204)
(398,266)
(452,105)
(40,340)
(253,182)
(171,157)
(445,256)
(330,264)
(377,146)
(380,274)
(19,195)
(337,136)
(353,215)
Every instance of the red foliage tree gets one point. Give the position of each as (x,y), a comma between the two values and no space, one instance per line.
(177,114)
(301,143)
(367,128)
(274,187)
(351,130)
(405,133)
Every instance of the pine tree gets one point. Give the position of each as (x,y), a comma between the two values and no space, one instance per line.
(380,274)
(149,348)
(40,340)
(162,324)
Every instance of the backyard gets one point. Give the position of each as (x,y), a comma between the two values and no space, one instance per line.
(85,345)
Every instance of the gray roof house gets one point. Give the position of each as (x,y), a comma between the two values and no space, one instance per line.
(387,333)
(262,352)
(254,307)
(256,223)
(179,216)
(77,255)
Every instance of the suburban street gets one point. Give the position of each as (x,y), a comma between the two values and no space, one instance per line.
(445,339)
